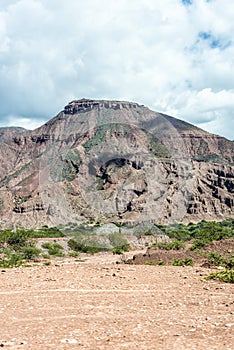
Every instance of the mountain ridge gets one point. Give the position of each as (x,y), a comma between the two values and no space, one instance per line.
(115,160)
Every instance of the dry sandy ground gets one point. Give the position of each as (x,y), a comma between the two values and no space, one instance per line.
(98,304)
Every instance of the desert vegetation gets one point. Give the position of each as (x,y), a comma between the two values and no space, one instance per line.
(201,243)
(202,233)
(187,245)
(19,246)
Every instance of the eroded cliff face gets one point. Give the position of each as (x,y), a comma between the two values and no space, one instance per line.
(114,161)
(213,194)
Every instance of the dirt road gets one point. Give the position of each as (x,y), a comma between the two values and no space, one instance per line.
(98,305)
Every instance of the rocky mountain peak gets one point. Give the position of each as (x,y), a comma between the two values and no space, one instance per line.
(85,104)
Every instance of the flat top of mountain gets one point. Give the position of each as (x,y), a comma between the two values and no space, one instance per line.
(84,105)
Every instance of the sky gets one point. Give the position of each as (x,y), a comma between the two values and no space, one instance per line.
(174,56)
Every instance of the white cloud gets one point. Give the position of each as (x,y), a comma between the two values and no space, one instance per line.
(211,110)
(151,51)
(27,123)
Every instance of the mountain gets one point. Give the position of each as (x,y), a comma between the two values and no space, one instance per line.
(8,133)
(114,161)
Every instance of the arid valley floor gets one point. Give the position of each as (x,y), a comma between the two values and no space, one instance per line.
(98,304)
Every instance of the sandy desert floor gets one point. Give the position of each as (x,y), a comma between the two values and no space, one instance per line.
(98,304)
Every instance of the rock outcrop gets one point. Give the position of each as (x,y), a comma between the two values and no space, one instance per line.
(85,105)
(114,161)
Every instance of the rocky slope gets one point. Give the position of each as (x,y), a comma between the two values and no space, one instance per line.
(114,161)
(7,133)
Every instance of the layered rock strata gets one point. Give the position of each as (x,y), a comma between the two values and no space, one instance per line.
(114,161)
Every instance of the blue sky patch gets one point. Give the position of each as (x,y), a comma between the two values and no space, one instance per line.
(213,42)
(187,2)
(204,35)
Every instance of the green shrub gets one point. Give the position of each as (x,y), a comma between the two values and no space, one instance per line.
(215,258)
(48,232)
(19,238)
(119,243)
(15,239)
(185,262)
(84,246)
(30,252)
(18,245)
(49,245)
(118,250)
(178,234)
(229,261)
(202,232)
(178,262)
(73,245)
(188,262)
(173,245)
(199,243)
(13,260)
(224,276)
(45,256)
(53,248)
(74,254)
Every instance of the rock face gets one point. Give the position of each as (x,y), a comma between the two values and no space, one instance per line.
(114,161)
(85,105)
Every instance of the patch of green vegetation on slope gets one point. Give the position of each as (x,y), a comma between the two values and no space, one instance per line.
(66,167)
(202,233)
